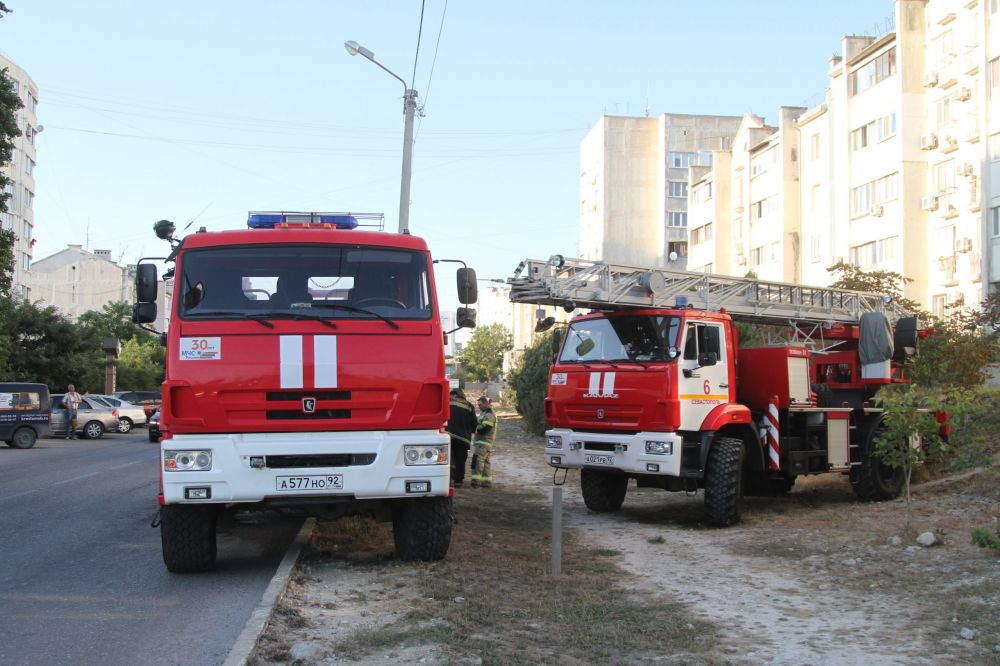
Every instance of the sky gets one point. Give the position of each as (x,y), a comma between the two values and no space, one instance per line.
(200,111)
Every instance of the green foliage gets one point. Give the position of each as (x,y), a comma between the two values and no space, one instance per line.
(530,380)
(44,346)
(9,104)
(141,364)
(113,320)
(482,358)
(982,538)
(7,239)
(887,283)
(957,352)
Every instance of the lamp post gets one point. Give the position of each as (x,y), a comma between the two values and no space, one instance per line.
(409,109)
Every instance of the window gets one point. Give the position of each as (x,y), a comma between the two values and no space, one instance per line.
(943,112)
(25,262)
(764,207)
(874,252)
(944,177)
(815,243)
(676,188)
(763,161)
(677,219)
(775,250)
(938,304)
(873,193)
(702,234)
(703,193)
(994,147)
(873,72)
(620,338)
(885,127)
(995,221)
(993,72)
(814,147)
(29,165)
(20,400)
(757,255)
(994,5)
(680,160)
(703,339)
(861,136)
(814,194)
(29,198)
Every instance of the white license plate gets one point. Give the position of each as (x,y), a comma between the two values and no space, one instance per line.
(309,482)
(599,460)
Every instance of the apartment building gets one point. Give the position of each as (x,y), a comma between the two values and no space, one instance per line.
(634,178)
(77,281)
(20,216)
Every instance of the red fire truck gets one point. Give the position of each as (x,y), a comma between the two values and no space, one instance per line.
(653,384)
(305,371)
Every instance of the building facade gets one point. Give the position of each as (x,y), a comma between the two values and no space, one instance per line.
(20,215)
(75,281)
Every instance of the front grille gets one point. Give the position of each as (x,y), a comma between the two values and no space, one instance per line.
(299,415)
(319,460)
(277,396)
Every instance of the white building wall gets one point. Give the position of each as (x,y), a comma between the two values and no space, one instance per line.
(75,281)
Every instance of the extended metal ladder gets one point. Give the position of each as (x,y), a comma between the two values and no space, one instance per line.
(581,283)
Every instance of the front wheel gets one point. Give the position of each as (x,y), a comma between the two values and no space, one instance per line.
(93,430)
(24,438)
(187,536)
(421,528)
(724,482)
(124,425)
(603,491)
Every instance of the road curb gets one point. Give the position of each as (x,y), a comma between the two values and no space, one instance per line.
(247,640)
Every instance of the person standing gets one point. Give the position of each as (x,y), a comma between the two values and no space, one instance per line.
(462,423)
(486,434)
(71,402)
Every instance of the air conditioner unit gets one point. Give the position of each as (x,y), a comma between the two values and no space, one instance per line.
(931,80)
(964,94)
(928,141)
(964,170)
(876,211)
(929,203)
(963,245)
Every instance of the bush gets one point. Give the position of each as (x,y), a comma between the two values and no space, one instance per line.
(529,382)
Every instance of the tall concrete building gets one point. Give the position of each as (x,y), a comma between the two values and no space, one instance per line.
(20,215)
(634,175)
(77,281)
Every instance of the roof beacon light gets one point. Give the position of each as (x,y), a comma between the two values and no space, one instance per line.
(305,220)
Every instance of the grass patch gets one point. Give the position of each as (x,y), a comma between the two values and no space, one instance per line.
(656,539)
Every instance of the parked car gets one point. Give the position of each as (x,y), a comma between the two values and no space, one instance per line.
(150,400)
(129,415)
(24,414)
(154,426)
(92,419)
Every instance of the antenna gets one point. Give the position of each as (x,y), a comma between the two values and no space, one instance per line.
(195,218)
(86,240)
(647,100)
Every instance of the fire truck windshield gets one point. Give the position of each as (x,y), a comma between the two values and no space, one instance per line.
(636,338)
(300,281)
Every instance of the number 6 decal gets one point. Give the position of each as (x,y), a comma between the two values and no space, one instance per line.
(708,387)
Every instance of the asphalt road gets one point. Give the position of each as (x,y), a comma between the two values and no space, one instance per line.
(82,580)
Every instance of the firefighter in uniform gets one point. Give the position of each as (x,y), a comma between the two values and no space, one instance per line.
(462,423)
(486,434)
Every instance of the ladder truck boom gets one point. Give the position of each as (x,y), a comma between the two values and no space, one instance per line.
(583,283)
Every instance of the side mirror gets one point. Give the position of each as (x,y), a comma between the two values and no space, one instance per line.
(556,341)
(585,347)
(545,324)
(466,317)
(143,313)
(468,290)
(145,283)
(707,359)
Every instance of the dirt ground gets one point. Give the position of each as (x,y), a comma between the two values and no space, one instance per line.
(812,578)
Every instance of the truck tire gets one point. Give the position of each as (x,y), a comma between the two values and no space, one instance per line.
(724,482)
(872,480)
(603,491)
(24,438)
(153,436)
(421,528)
(187,535)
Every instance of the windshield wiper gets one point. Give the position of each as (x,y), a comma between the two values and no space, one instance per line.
(241,315)
(263,317)
(351,308)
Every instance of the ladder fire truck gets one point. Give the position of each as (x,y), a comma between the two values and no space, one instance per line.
(653,384)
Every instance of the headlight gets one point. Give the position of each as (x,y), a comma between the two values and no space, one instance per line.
(554,442)
(425,455)
(187,461)
(660,448)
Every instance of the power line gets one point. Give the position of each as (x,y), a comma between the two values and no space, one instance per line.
(430,77)
(420,32)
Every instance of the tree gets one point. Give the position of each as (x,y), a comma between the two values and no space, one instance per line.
(114,319)
(483,356)
(888,283)
(141,364)
(9,104)
(530,381)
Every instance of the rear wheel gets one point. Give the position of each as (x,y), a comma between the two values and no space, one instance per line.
(724,482)
(24,438)
(187,535)
(93,430)
(421,528)
(124,424)
(603,491)
(872,480)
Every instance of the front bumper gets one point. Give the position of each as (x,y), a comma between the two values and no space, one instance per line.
(232,479)
(612,451)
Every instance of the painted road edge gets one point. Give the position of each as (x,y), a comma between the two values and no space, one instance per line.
(247,640)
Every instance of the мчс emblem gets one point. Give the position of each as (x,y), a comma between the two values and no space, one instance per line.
(308,405)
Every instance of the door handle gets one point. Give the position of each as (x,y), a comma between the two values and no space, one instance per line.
(723,385)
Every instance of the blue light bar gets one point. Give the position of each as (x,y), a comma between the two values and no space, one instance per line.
(681,301)
(271,220)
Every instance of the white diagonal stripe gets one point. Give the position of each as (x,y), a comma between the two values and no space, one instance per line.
(325,359)
(291,361)
(609,383)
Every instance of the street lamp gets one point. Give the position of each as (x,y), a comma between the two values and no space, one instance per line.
(409,108)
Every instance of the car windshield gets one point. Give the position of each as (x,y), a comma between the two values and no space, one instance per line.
(622,338)
(304,281)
